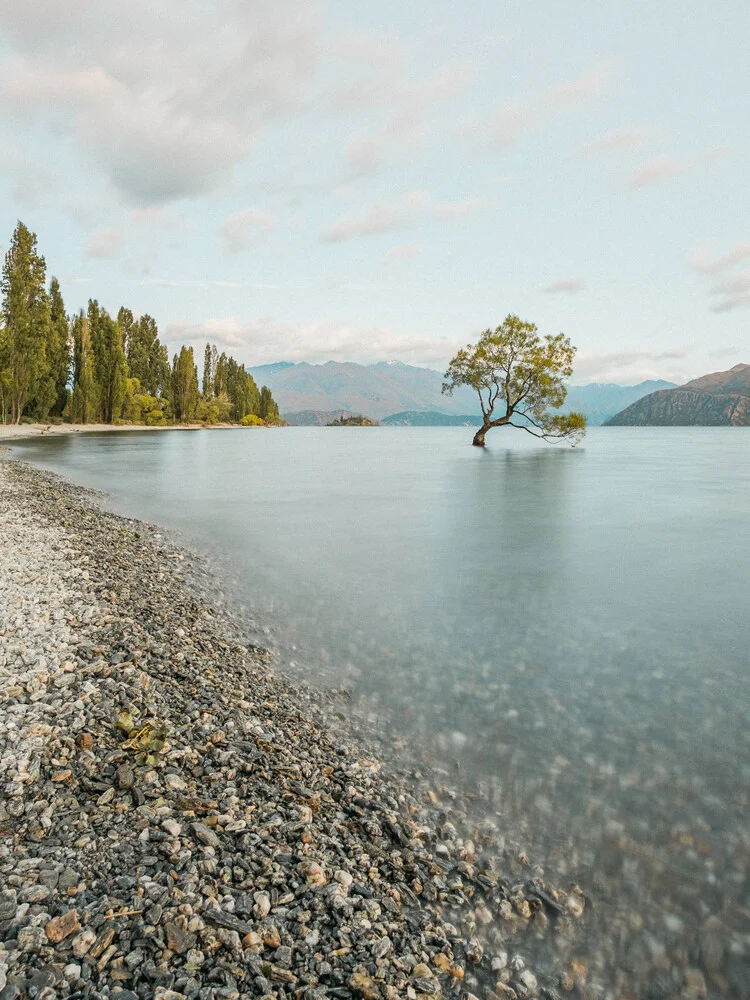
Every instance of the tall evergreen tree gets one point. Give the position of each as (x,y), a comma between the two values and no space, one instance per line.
(85,400)
(26,315)
(184,385)
(144,353)
(268,408)
(58,348)
(110,365)
(208,372)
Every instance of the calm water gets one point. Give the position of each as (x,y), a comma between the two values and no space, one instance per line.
(566,629)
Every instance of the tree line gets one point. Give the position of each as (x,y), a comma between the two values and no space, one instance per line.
(96,368)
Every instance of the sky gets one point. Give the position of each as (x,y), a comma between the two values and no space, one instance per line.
(309,181)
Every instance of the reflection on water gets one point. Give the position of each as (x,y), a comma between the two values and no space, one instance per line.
(565,630)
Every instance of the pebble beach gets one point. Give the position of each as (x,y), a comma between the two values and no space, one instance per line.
(178,820)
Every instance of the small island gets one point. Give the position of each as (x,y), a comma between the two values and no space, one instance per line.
(358,421)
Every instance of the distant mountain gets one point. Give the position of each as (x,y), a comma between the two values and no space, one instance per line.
(721,399)
(377,390)
(391,388)
(430,418)
(599,401)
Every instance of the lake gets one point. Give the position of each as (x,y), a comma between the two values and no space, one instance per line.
(564,630)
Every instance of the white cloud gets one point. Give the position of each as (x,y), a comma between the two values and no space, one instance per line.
(407,126)
(567,286)
(382,218)
(414,207)
(240,230)
(664,168)
(513,120)
(732,292)
(728,291)
(656,171)
(262,340)
(106,244)
(700,260)
(619,140)
(629,367)
(166,105)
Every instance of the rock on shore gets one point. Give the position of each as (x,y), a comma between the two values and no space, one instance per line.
(177,821)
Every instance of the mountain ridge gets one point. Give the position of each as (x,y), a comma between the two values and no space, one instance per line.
(386,388)
(719,399)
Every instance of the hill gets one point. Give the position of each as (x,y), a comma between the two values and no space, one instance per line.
(378,390)
(598,401)
(721,399)
(390,388)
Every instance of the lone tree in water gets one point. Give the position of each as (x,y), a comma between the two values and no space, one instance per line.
(518,375)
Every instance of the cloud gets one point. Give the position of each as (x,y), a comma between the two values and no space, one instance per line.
(165,105)
(106,244)
(413,207)
(238,231)
(617,141)
(257,341)
(700,260)
(382,218)
(506,126)
(591,367)
(406,252)
(407,126)
(664,168)
(728,291)
(656,171)
(732,292)
(29,180)
(568,286)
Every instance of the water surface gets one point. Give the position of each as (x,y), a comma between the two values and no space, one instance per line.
(567,629)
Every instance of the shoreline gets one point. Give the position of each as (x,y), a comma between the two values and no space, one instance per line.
(20,432)
(222,838)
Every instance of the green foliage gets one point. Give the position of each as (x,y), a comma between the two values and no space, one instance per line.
(252,420)
(110,365)
(356,421)
(59,348)
(26,318)
(268,408)
(139,407)
(519,375)
(120,369)
(84,402)
(214,410)
(147,358)
(184,385)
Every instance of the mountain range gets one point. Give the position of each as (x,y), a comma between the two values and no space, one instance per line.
(721,399)
(391,388)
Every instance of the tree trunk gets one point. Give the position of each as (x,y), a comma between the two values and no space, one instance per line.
(478,441)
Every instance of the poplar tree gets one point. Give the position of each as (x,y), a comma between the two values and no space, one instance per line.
(58,348)
(268,408)
(26,314)
(110,365)
(208,371)
(184,385)
(84,402)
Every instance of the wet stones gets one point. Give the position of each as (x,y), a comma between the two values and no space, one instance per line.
(254,851)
